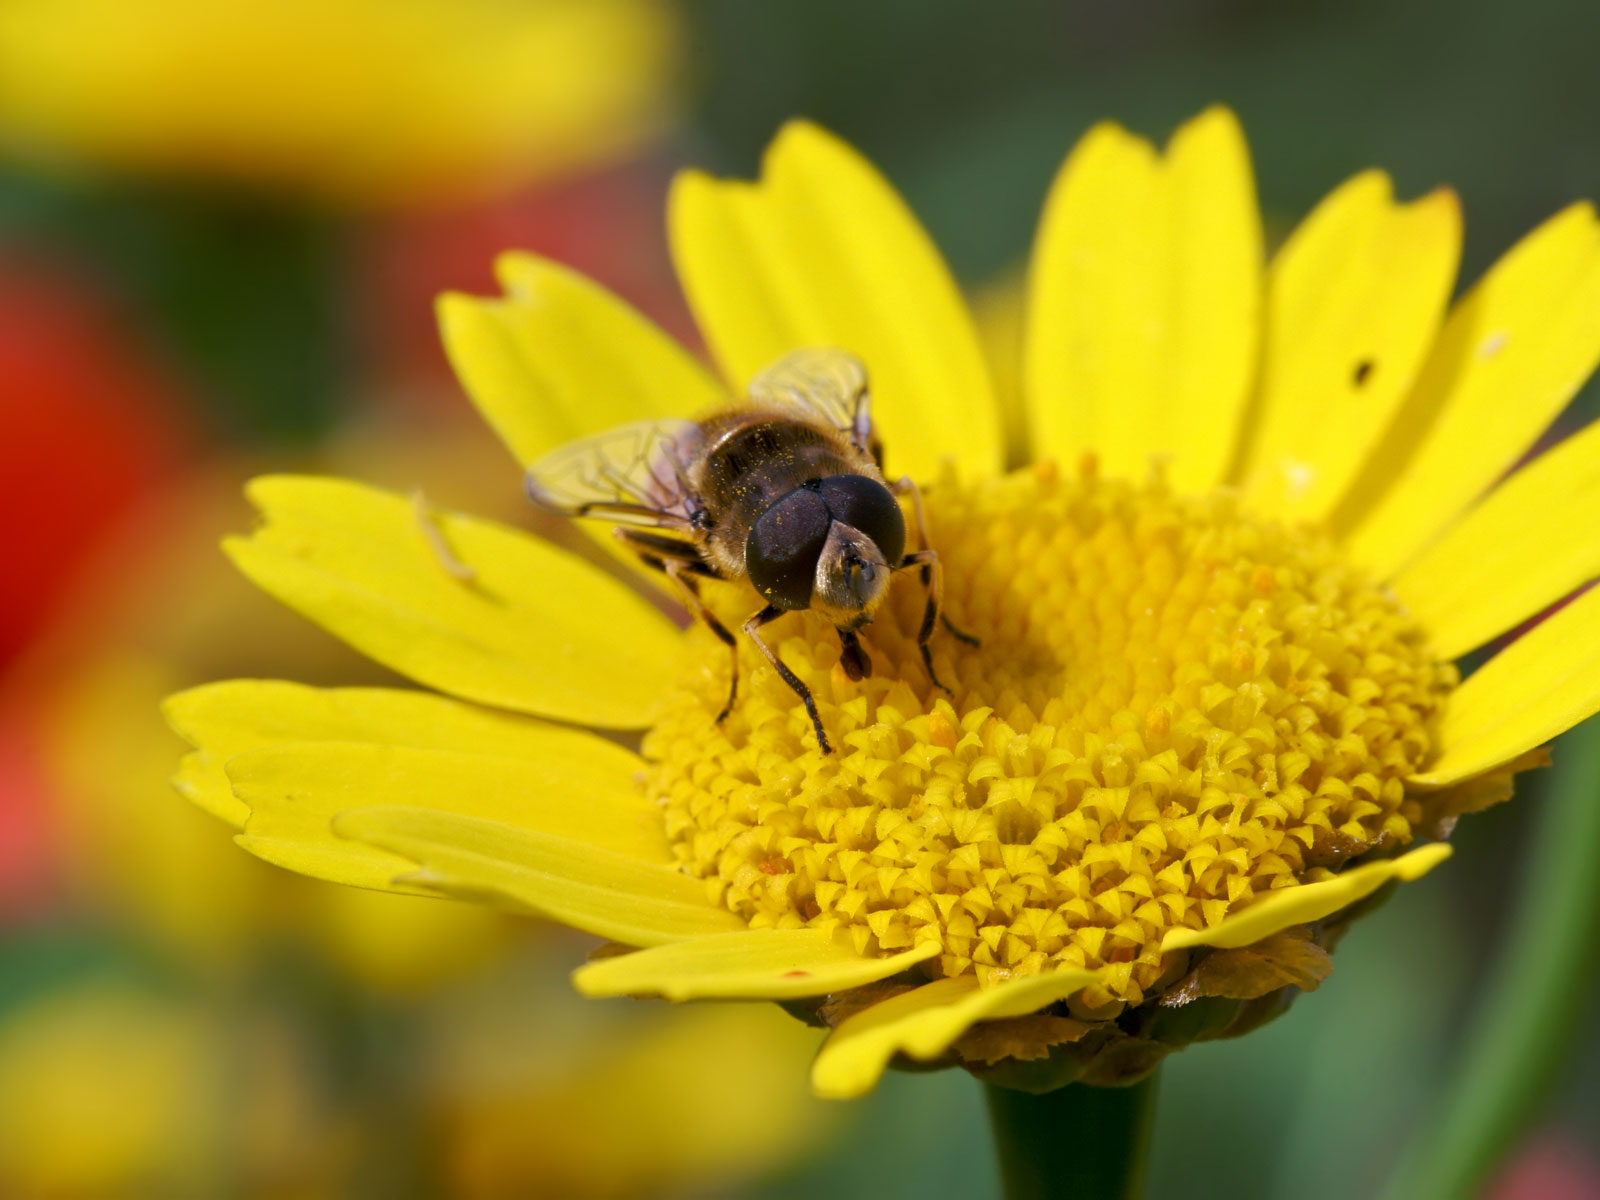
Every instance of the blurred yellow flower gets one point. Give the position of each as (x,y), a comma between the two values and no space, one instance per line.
(350,101)
(1214,709)
(112,1089)
(560,1105)
(108,1089)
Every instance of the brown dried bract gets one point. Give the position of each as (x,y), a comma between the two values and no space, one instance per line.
(841,1006)
(1290,958)
(1476,794)
(1023,1038)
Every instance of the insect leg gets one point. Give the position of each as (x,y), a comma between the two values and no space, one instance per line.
(680,561)
(655,547)
(959,634)
(933,580)
(853,658)
(767,615)
(680,573)
(908,486)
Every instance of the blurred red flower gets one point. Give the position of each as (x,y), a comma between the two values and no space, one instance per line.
(89,420)
(1551,1167)
(606,225)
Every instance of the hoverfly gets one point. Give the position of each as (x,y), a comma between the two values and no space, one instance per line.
(785,491)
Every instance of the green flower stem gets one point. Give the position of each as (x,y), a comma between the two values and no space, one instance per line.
(1089,1143)
(1521,1033)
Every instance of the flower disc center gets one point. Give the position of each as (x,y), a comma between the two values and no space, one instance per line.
(1175,707)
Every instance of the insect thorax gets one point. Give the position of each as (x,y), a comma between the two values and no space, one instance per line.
(755,460)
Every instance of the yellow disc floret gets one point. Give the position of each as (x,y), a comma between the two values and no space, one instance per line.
(1175,707)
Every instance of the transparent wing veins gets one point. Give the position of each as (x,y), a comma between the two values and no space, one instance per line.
(821,382)
(634,474)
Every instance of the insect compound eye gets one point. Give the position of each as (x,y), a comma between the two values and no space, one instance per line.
(867,505)
(784,545)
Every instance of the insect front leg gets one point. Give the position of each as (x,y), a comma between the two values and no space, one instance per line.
(751,627)
(853,657)
(681,562)
(906,486)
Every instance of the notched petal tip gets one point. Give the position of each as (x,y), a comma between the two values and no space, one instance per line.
(690,190)
(540,630)
(460,317)
(519,272)
(1128,230)
(1106,133)
(1214,134)
(1443,196)
(1375,180)
(760,264)
(803,145)
(178,709)
(280,492)
(1525,329)
(800,134)
(1215,116)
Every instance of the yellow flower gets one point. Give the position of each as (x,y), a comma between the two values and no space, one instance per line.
(351,101)
(1213,710)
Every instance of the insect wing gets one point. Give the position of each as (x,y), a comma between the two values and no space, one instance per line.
(635,474)
(820,382)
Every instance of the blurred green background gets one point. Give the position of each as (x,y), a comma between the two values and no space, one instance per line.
(165,329)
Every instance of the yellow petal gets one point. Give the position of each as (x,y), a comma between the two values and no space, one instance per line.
(336,863)
(1354,300)
(924,1022)
(537,629)
(561,358)
(1508,359)
(222,720)
(823,252)
(573,785)
(1522,548)
(1541,685)
(610,895)
(756,964)
(1144,298)
(998,312)
(199,779)
(1306,902)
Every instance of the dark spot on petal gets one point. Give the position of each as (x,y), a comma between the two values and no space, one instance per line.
(797,974)
(1363,371)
